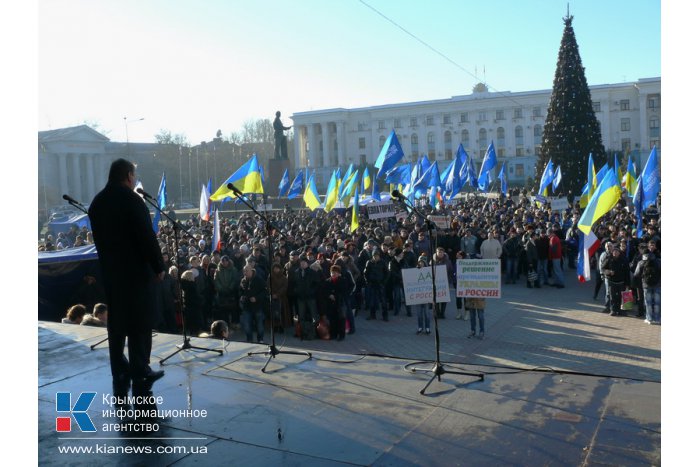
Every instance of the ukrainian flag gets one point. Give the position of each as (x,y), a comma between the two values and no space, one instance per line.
(248,179)
(355,222)
(592,182)
(618,170)
(311,198)
(351,185)
(366,180)
(603,200)
(332,192)
(630,180)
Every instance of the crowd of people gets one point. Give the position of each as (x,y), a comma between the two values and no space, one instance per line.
(315,270)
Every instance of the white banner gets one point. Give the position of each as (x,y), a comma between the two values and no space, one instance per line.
(418,285)
(380,210)
(559,204)
(264,207)
(441,222)
(479,278)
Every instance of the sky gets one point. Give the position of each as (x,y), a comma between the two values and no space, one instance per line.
(194,67)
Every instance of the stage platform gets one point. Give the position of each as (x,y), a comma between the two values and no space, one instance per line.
(344,408)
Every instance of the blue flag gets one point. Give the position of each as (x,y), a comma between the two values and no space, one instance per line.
(160,202)
(638,209)
(375,190)
(431,178)
(504,179)
(390,155)
(487,164)
(284,183)
(557,178)
(547,178)
(399,175)
(296,188)
(424,164)
(652,180)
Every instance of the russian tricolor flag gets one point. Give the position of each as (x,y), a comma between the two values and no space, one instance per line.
(587,246)
(216,239)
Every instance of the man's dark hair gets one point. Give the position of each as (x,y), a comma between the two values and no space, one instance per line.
(218,328)
(120,170)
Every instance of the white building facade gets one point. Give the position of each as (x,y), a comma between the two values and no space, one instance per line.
(629,116)
(72,161)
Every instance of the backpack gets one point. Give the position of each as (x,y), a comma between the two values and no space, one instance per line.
(651,275)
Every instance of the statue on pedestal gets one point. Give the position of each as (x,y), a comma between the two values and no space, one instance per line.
(280,138)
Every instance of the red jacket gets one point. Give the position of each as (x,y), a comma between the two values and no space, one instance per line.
(554,247)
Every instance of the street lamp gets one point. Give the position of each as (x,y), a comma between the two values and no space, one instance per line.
(126,130)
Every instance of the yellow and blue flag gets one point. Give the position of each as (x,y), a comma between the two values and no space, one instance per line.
(618,170)
(346,177)
(547,178)
(351,185)
(630,179)
(311,198)
(366,180)
(332,192)
(603,200)
(248,179)
(355,222)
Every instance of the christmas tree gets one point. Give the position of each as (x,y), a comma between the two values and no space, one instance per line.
(571,130)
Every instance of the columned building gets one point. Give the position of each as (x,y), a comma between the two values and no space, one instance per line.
(72,161)
(629,115)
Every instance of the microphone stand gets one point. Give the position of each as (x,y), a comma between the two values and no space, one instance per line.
(75,204)
(185,340)
(437,369)
(272,350)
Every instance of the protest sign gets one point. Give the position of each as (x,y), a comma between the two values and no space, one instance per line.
(380,210)
(418,285)
(479,278)
(441,222)
(559,204)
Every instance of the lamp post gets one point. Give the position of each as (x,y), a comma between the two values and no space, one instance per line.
(126,130)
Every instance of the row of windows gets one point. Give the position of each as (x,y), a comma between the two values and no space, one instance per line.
(464,137)
(447,119)
(653,102)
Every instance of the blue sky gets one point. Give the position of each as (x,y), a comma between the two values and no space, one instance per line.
(196,67)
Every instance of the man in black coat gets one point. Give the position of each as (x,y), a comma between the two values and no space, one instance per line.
(131,264)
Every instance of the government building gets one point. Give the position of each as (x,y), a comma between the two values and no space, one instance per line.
(629,115)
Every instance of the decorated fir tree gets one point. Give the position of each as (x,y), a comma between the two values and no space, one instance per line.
(571,130)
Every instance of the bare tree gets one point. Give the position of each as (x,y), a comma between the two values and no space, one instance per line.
(166,137)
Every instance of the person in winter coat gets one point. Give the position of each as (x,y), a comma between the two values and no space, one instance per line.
(511,251)
(648,272)
(396,280)
(616,270)
(278,295)
(252,300)
(227,280)
(335,293)
(376,274)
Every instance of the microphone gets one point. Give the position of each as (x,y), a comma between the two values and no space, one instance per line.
(231,187)
(144,194)
(396,194)
(71,200)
